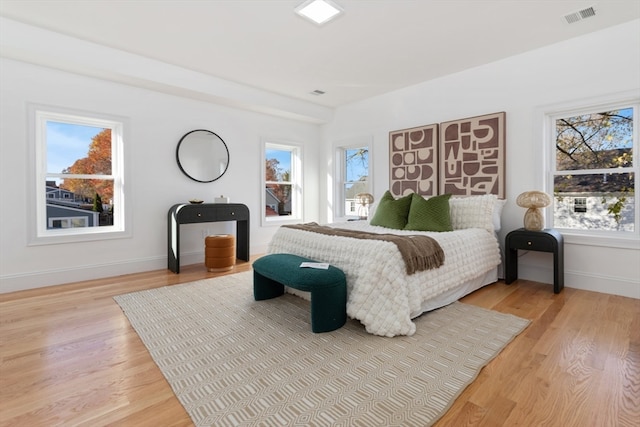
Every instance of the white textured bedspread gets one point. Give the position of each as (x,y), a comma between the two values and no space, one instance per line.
(380,293)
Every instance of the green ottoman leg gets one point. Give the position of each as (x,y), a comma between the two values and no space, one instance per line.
(328,308)
(265,288)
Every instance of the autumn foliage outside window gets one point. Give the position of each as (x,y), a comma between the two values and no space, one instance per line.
(97,162)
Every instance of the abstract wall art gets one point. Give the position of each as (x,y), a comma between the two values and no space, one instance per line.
(413,161)
(472,156)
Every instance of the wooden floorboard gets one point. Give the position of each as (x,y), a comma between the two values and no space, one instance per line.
(68,356)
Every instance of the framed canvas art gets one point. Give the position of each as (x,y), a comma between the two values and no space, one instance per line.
(472,156)
(413,161)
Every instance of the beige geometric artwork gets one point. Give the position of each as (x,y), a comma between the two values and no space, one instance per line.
(413,161)
(472,156)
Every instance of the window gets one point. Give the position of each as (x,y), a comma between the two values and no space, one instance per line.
(580,204)
(354,162)
(593,173)
(282,182)
(78,176)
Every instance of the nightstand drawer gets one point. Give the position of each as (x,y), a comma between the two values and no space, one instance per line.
(531,242)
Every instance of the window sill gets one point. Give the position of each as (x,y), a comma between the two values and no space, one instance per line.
(609,241)
(278,221)
(51,239)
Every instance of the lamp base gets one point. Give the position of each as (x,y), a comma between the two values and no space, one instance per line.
(533,219)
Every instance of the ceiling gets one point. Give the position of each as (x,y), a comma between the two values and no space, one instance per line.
(376,46)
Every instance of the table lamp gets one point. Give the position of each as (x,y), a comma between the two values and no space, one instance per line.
(533,200)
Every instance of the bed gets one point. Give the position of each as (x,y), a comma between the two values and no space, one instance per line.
(382,295)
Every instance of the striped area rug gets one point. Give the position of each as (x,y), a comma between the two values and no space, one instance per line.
(233,361)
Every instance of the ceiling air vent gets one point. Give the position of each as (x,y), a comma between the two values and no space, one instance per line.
(318,92)
(580,15)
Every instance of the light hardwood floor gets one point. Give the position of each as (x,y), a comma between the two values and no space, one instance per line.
(70,357)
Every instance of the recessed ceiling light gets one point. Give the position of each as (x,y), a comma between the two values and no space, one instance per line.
(319,11)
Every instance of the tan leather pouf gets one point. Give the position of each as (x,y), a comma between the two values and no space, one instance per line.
(220,252)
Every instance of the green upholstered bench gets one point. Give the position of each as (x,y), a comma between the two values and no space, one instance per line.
(328,288)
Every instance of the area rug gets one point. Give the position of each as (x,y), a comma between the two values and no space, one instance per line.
(233,361)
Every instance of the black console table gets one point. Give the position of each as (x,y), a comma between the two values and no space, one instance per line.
(547,240)
(207,212)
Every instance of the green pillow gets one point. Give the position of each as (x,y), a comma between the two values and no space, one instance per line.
(392,213)
(430,214)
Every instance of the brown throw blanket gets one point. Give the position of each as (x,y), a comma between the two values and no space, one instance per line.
(418,252)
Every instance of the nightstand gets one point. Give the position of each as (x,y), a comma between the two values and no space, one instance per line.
(547,240)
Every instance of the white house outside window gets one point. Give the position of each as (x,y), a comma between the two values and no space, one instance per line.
(593,172)
(355,178)
(282,182)
(78,177)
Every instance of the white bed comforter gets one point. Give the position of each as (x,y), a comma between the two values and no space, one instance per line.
(380,293)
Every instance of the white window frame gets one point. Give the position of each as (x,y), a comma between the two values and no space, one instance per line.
(548,116)
(296,183)
(37,232)
(341,173)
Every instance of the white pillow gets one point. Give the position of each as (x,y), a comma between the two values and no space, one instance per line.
(372,209)
(475,212)
(497,214)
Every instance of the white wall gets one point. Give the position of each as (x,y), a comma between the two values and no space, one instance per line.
(157,121)
(597,64)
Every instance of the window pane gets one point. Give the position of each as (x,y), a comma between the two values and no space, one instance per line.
(58,223)
(350,199)
(79,203)
(595,202)
(282,184)
(595,141)
(356,174)
(78,149)
(278,199)
(278,165)
(350,192)
(357,164)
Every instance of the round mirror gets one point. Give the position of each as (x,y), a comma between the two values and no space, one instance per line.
(202,155)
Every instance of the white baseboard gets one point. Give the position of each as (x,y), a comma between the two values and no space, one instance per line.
(61,276)
(20,282)
(52,277)
(626,287)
